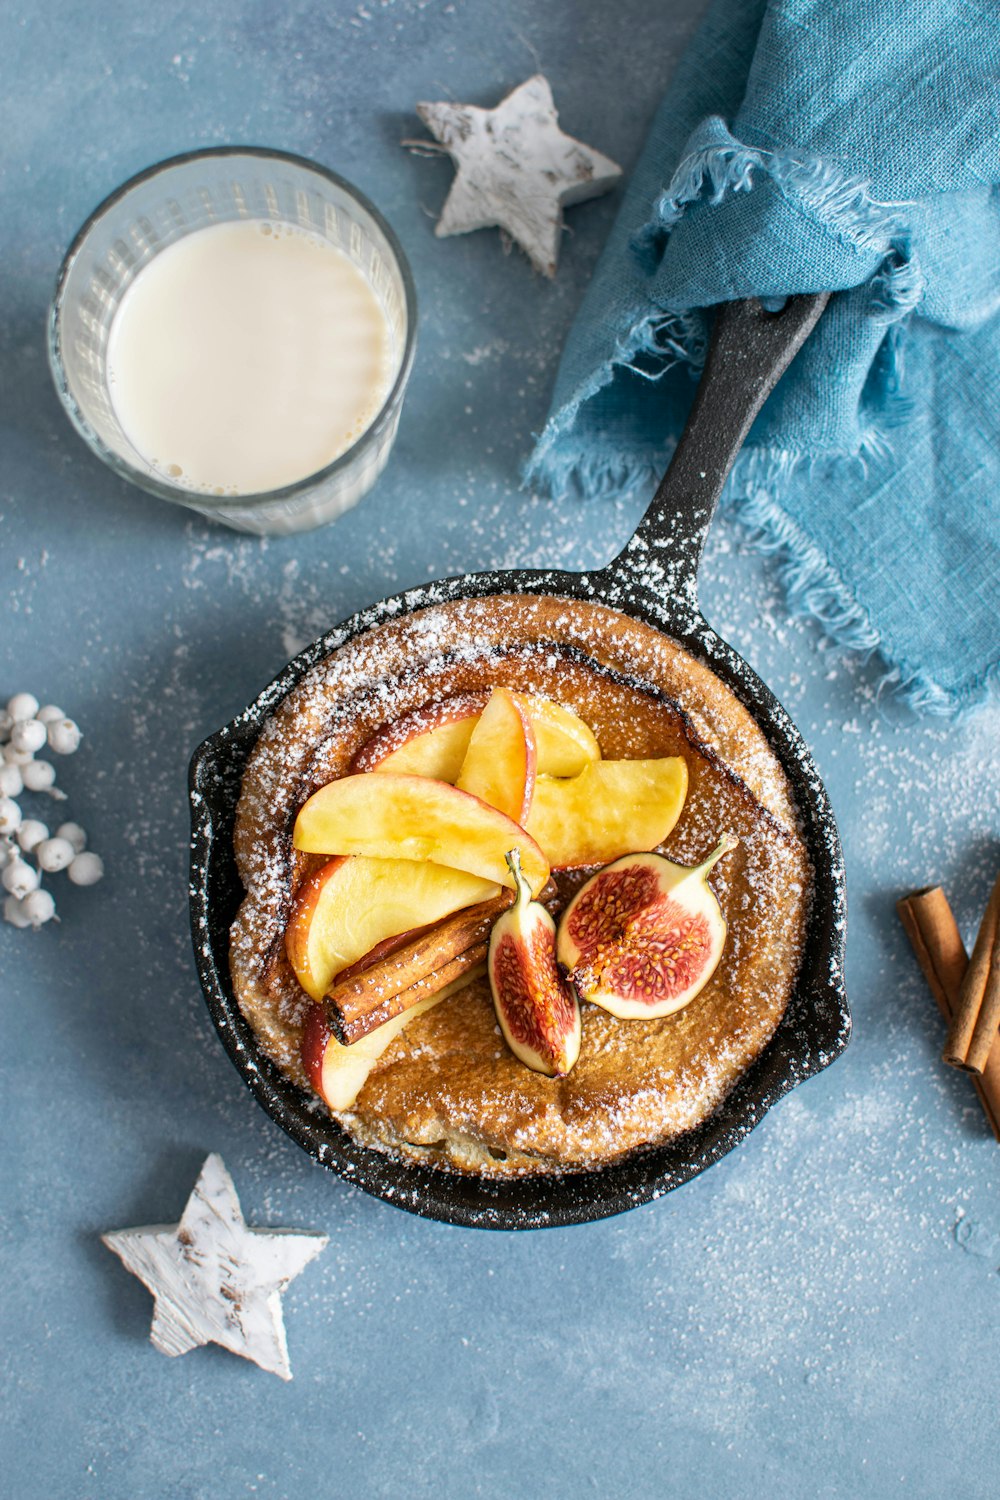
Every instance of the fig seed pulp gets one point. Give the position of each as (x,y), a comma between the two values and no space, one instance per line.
(643,937)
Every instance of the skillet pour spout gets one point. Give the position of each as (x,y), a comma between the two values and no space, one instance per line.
(653,580)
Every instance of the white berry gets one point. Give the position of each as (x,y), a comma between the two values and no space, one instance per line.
(54,854)
(22,706)
(73,834)
(10,815)
(31,833)
(86,869)
(28,734)
(8,851)
(15,757)
(38,775)
(11,780)
(13,912)
(19,878)
(48,713)
(38,908)
(64,736)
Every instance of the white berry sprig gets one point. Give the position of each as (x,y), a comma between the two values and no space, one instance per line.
(26,728)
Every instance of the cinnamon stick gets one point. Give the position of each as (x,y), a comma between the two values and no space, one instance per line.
(931,927)
(973,1029)
(437,956)
(933,932)
(467,966)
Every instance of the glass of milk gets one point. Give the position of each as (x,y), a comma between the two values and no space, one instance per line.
(233,330)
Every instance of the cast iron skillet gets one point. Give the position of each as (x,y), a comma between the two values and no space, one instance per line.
(655,580)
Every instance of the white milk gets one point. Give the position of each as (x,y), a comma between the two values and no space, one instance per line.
(247,356)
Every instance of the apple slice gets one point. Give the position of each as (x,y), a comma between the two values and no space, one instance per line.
(352,906)
(565,744)
(338,1073)
(414,818)
(612,808)
(430,742)
(434,740)
(499,765)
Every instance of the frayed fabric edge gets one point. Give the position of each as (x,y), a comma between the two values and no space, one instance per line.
(614,474)
(812,588)
(838,202)
(653,341)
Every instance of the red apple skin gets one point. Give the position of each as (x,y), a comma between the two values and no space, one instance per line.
(337,1074)
(315,1035)
(297,932)
(422,721)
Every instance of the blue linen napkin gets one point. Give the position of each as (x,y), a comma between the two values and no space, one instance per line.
(850,145)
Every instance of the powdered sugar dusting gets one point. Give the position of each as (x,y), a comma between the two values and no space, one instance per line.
(380,674)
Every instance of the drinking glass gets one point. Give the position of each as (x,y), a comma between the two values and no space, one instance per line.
(162,205)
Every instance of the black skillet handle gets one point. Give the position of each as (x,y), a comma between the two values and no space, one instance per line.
(750,350)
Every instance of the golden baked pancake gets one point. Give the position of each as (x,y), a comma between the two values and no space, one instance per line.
(447,1092)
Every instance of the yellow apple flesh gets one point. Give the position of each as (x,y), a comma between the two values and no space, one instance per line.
(351,906)
(424,745)
(614,807)
(431,742)
(415,818)
(565,744)
(499,765)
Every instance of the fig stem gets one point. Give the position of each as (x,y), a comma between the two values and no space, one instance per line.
(513,858)
(726,845)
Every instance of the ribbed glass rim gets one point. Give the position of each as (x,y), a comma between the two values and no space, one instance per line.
(177,494)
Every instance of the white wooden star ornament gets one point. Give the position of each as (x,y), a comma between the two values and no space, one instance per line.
(213,1279)
(516,169)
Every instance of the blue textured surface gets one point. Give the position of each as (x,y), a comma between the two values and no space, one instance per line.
(817,1316)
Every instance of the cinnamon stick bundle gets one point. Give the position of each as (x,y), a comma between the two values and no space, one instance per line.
(933,932)
(437,956)
(973,1029)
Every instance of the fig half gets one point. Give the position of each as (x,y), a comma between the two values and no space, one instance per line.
(537,1009)
(644,936)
